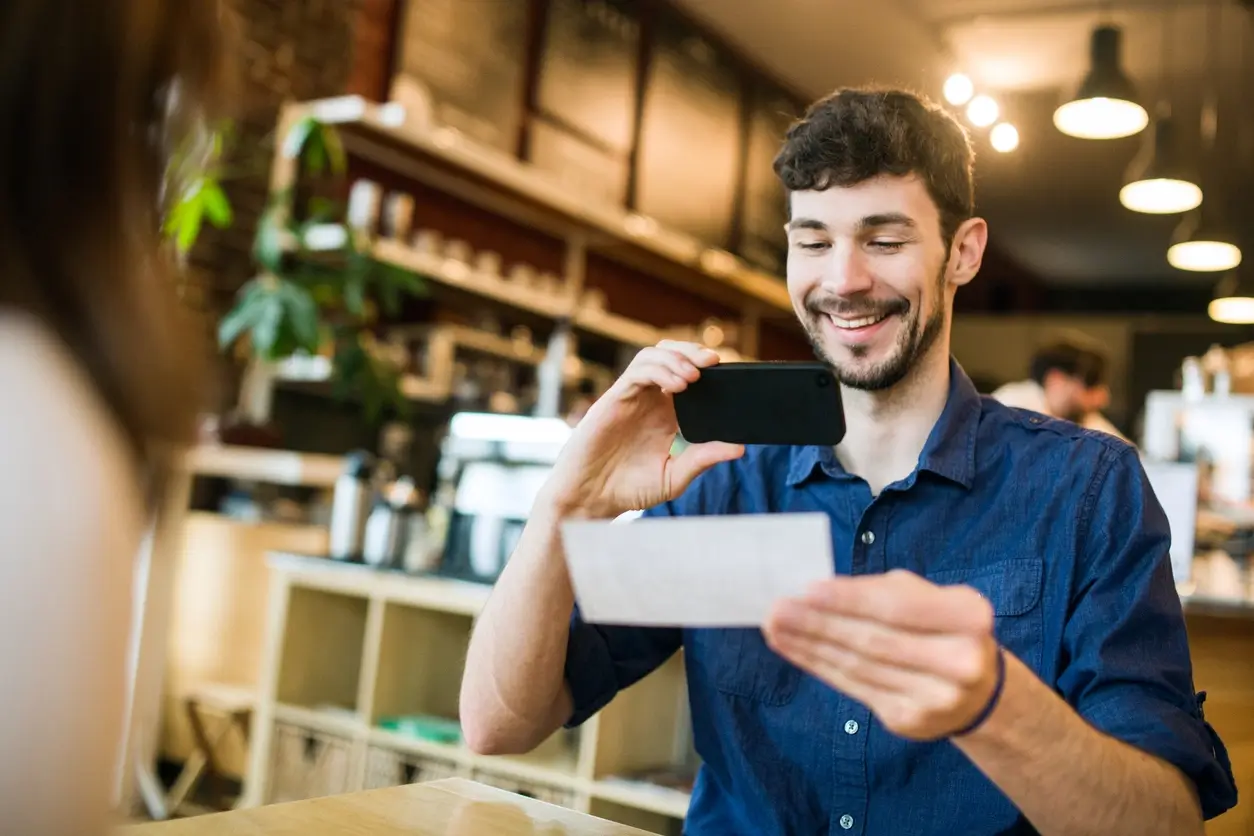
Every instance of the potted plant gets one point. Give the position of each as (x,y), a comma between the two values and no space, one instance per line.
(317,290)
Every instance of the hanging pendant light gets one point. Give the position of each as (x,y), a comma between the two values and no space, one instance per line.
(1234,300)
(1161,180)
(1105,106)
(1204,243)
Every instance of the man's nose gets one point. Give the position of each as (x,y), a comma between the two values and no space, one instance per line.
(846,272)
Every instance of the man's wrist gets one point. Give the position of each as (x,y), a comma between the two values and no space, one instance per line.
(1007,723)
(994,699)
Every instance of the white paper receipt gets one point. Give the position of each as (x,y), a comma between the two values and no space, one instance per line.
(694,571)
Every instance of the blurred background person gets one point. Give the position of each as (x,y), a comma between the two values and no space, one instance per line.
(1069,381)
(96,369)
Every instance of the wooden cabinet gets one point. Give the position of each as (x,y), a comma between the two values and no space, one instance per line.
(351,652)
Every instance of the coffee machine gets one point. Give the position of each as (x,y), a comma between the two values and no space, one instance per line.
(491,469)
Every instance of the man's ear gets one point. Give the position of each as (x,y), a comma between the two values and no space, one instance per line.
(966,253)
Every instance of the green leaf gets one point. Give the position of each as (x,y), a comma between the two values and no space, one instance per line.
(322,209)
(266,331)
(216,206)
(268,244)
(354,294)
(184,220)
(356,275)
(302,315)
(406,280)
(334,146)
(314,155)
(240,318)
(294,142)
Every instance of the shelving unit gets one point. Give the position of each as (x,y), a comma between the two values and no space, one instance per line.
(201,591)
(348,647)
(394,137)
(402,147)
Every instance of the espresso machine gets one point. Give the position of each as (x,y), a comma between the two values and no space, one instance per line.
(490,472)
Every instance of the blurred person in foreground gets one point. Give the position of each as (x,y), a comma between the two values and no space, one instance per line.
(98,379)
(1000,649)
(1067,381)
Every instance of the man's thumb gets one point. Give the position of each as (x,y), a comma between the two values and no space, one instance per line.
(697,459)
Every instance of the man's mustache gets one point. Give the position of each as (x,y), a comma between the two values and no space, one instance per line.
(856,308)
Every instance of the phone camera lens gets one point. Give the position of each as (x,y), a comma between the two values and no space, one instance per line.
(823,380)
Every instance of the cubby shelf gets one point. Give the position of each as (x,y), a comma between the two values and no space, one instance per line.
(348,646)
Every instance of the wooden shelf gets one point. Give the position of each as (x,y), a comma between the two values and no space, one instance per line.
(458,275)
(1218,607)
(407,658)
(386,135)
(461,276)
(356,579)
(655,799)
(280,467)
(332,721)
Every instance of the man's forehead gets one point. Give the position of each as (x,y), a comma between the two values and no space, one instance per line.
(886,198)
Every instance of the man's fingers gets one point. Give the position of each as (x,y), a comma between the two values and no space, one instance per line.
(668,371)
(806,656)
(903,599)
(829,660)
(957,657)
(699,355)
(698,458)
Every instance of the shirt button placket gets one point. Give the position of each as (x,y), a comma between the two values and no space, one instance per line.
(846,822)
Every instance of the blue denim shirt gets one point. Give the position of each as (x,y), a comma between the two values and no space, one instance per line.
(1056,525)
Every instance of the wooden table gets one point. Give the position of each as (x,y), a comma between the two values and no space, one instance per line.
(453,807)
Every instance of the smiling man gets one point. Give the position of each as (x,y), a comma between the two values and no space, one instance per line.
(1001,649)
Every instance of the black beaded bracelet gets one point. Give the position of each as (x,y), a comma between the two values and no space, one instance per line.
(992,700)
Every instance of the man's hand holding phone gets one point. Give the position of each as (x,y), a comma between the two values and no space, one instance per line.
(619,458)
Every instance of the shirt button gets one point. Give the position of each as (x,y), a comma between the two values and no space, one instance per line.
(846,821)
(851,727)
(868,537)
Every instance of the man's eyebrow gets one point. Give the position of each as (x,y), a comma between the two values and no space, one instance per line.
(868,222)
(886,219)
(805,223)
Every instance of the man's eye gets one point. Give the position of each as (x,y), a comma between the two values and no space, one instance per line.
(813,246)
(888,246)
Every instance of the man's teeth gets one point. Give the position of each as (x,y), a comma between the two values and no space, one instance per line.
(860,322)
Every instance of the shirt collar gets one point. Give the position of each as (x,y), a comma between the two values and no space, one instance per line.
(949,451)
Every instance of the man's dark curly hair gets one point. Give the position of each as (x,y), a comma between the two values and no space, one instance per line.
(853,135)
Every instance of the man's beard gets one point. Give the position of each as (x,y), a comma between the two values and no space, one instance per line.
(913,341)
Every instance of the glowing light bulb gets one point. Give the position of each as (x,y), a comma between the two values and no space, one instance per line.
(1100,118)
(958,89)
(1004,137)
(983,111)
(1234,310)
(1160,196)
(1204,256)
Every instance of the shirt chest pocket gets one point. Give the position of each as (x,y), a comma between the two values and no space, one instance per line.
(738,662)
(1013,587)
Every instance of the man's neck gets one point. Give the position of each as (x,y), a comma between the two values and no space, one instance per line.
(885,431)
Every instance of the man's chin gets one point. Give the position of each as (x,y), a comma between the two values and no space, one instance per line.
(875,378)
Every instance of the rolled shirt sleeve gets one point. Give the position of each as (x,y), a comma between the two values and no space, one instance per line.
(1129,672)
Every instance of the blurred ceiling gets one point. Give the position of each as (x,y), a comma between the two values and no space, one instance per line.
(1052,204)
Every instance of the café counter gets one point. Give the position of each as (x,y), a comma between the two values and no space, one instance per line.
(451,807)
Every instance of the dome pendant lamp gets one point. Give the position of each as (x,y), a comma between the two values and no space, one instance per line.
(1105,106)
(1234,300)
(1203,243)
(1160,180)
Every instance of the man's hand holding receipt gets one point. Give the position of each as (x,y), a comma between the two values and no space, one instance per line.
(961,619)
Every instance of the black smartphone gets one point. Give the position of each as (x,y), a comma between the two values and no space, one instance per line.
(762,403)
